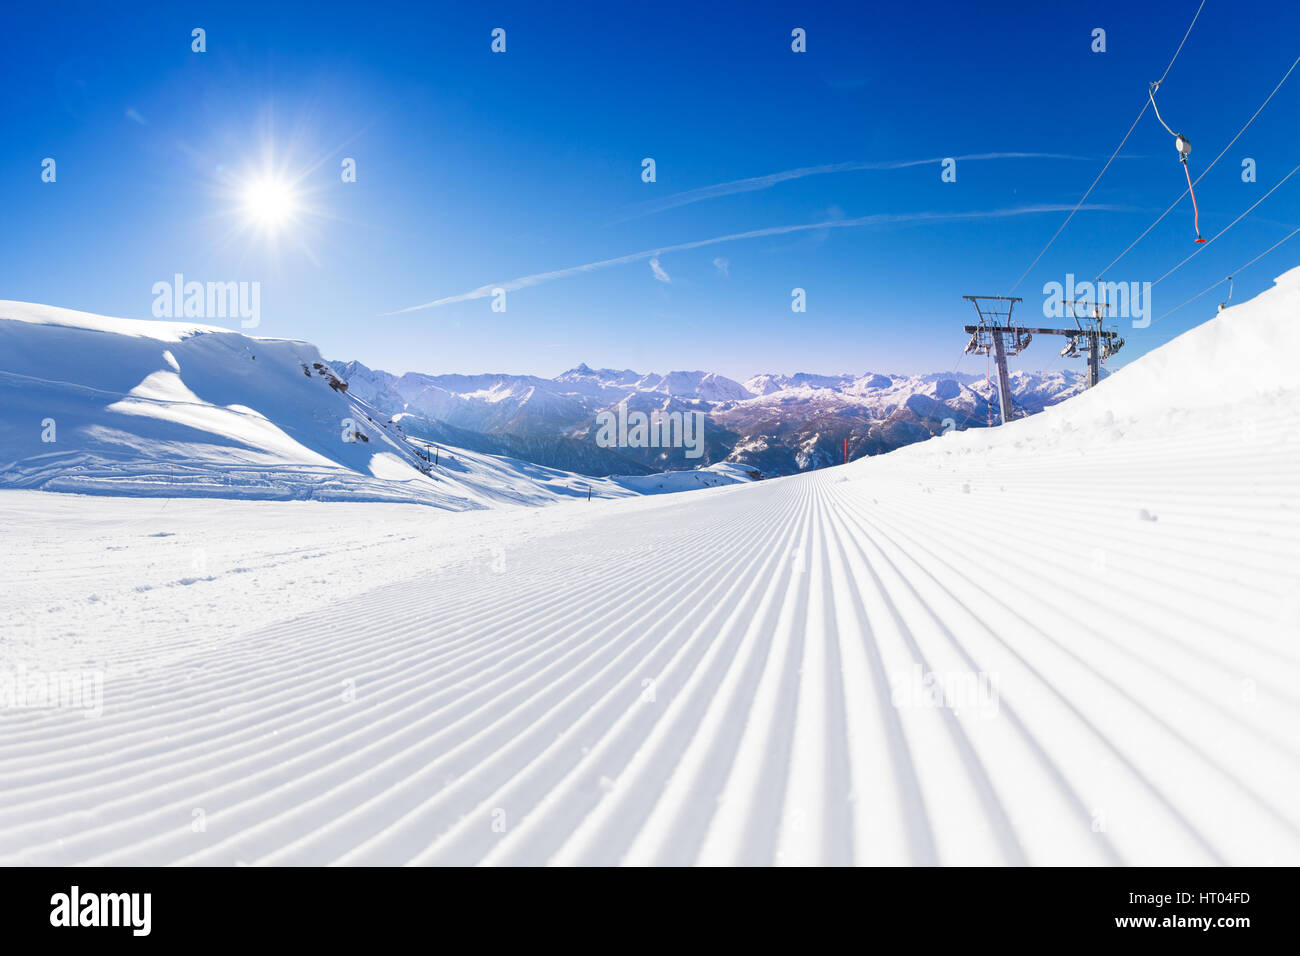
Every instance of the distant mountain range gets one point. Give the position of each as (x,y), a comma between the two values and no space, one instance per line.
(773,424)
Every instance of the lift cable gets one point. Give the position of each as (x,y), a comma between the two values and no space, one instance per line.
(1290,235)
(1200,249)
(1200,177)
(1084,198)
(1112,155)
(1180,45)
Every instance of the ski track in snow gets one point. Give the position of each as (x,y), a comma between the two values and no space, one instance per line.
(714,677)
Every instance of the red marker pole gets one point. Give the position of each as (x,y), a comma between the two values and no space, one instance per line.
(846,451)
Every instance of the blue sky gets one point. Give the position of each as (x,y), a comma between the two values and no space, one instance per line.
(475,169)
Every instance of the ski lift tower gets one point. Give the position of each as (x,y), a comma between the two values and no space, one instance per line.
(1098,342)
(998,333)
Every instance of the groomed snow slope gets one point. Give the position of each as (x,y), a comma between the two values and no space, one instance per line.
(1108,592)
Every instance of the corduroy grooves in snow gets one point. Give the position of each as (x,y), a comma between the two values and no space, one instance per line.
(1071,639)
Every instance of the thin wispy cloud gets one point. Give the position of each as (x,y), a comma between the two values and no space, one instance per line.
(658,271)
(755,183)
(723,265)
(878,219)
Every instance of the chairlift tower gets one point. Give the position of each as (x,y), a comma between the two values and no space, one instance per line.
(1099,342)
(998,333)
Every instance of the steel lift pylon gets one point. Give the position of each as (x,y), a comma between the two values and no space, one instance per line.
(998,333)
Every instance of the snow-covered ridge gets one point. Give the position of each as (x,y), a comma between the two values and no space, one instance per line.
(101,405)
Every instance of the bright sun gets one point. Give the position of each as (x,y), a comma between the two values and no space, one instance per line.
(269,202)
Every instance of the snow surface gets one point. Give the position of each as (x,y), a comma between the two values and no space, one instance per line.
(1109,593)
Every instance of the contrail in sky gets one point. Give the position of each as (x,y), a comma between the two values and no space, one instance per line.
(879,219)
(771,179)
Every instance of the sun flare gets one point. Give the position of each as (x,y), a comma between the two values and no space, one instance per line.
(269,202)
